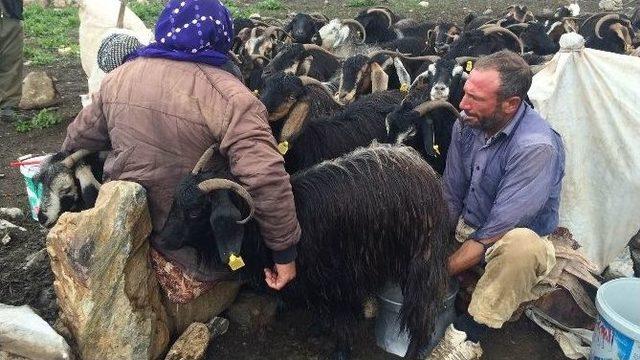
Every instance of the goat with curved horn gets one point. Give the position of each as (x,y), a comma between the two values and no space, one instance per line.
(307,80)
(204,159)
(211,185)
(498,29)
(268,32)
(72,159)
(431,105)
(382,11)
(517,25)
(360,28)
(602,20)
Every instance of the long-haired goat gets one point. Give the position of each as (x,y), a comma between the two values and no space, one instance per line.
(374,215)
(304,139)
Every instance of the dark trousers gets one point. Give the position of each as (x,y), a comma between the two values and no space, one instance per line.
(11,43)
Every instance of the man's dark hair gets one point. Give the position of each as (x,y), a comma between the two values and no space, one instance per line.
(515,74)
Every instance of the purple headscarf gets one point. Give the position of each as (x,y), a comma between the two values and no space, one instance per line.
(192,30)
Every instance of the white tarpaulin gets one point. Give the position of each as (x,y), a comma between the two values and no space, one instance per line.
(592,98)
(98,16)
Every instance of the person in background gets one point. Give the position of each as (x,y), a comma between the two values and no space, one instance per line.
(11,59)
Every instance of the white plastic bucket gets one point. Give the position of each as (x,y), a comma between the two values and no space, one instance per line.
(617,333)
(34,188)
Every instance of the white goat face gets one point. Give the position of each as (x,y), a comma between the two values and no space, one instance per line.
(333,34)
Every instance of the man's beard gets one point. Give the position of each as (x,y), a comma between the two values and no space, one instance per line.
(492,123)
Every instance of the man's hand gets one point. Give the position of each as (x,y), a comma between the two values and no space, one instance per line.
(280,275)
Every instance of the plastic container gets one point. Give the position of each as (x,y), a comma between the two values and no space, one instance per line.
(34,188)
(388,334)
(617,333)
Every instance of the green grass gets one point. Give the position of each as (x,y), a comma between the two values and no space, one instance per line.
(46,118)
(148,13)
(270,5)
(360,3)
(47,34)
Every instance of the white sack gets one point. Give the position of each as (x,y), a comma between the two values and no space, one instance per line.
(96,17)
(592,99)
(24,333)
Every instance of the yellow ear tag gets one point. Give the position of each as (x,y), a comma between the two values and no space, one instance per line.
(469,66)
(256,93)
(235,262)
(436,149)
(283,147)
(404,88)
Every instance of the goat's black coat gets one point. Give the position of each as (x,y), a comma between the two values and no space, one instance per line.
(322,67)
(371,216)
(329,137)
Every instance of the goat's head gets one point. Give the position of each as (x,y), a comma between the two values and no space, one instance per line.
(519,13)
(485,41)
(338,32)
(280,95)
(289,59)
(67,185)
(616,30)
(412,126)
(438,81)
(207,214)
(442,35)
(304,26)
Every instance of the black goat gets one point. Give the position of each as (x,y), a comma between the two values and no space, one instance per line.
(484,41)
(303,59)
(304,26)
(429,130)
(380,70)
(68,184)
(611,32)
(442,36)
(310,126)
(368,217)
(535,38)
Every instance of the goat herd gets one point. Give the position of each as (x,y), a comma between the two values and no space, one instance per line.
(369,213)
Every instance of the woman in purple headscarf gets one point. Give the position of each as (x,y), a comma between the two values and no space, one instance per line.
(161,109)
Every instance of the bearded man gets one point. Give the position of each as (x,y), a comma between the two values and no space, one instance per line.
(502,185)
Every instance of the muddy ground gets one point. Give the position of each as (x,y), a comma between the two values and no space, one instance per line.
(286,338)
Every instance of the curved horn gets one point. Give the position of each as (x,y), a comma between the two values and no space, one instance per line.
(602,20)
(430,105)
(498,29)
(359,26)
(592,17)
(308,47)
(308,80)
(384,52)
(72,159)
(383,11)
(432,58)
(211,185)
(518,25)
(204,159)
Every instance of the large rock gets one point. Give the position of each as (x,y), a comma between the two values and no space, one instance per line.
(38,91)
(192,344)
(108,294)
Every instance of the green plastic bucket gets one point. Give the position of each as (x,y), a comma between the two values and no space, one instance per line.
(34,188)
(617,333)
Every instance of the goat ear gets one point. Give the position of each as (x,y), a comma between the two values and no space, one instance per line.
(427,137)
(295,121)
(379,79)
(305,65)
(89,186)
(431,37)
(403,74)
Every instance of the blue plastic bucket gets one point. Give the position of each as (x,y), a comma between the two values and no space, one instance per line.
(617,333)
